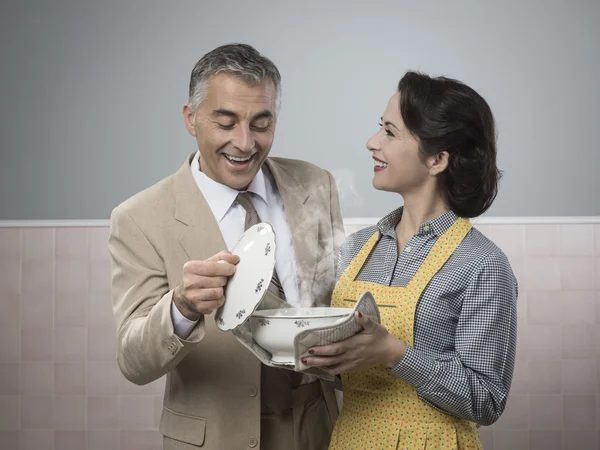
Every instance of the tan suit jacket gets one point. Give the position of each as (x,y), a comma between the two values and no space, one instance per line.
(211,388)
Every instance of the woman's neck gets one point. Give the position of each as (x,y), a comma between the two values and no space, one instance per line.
(417,210)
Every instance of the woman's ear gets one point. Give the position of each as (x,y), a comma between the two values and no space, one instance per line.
(437,163)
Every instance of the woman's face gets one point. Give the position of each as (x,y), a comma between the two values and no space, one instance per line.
(398,164)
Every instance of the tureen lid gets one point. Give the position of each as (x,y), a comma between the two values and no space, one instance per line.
(246,288)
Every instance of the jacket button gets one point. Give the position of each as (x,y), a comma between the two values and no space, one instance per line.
(252,442)
(252,391)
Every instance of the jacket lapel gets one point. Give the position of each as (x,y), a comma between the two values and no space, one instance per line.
(201,237)
(304,225)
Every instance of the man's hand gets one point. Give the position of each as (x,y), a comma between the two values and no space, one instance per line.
(373,346)
(201,289)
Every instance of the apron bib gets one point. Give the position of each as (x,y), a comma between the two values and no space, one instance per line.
(381,411)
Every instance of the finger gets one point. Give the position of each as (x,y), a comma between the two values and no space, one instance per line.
(209,268)
(203,295)
(367,324)
(202,282)
(321,361)
(328,350)
(225,255)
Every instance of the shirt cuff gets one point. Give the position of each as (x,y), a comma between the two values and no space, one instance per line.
(182,325)
(415,368)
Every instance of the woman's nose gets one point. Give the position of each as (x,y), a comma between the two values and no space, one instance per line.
(373,143)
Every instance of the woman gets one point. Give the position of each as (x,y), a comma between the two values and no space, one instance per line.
(441,362)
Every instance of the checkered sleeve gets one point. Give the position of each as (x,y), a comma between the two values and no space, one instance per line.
(473,381)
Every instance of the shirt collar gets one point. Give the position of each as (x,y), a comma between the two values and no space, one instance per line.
(437,226)
(387,225)
(220,197)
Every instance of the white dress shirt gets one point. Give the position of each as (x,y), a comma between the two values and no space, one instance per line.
(231,217)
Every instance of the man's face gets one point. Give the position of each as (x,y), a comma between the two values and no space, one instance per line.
(234,128)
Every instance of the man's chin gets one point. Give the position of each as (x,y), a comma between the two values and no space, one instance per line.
(240,178)
(239,183)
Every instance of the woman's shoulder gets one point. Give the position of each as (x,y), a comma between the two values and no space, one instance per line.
(355,241)
(352,245)
(483,254)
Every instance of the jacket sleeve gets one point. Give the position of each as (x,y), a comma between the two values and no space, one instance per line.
(337,224)
(147,346)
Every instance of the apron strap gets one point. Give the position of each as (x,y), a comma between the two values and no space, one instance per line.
(439,254)
(353,269)
(437,257)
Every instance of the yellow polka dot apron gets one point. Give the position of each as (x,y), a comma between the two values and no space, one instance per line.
(380,410)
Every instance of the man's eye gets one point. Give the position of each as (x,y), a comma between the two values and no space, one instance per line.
(226,127)
(261,127)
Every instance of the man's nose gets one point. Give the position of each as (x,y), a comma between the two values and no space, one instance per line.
(244,141)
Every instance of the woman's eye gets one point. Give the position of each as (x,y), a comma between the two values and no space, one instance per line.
(388,132)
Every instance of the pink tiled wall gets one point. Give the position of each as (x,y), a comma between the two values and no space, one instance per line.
(61,389)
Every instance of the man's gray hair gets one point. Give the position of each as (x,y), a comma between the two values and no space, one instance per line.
(240,60)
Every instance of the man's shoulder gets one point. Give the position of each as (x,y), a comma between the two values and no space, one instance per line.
(300,169)
(156,199)
(296,164)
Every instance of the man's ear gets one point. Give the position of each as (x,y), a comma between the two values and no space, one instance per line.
(189,119)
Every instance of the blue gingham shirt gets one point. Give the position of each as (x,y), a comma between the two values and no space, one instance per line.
(466,320)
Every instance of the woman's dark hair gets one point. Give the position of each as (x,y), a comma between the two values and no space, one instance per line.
(446,115)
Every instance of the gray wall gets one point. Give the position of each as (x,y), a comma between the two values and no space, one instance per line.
(92,92)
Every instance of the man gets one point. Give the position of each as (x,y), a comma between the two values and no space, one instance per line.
(170,265)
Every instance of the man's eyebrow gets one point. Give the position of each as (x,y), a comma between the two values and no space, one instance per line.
(227,113)
(224,112)
(265,114)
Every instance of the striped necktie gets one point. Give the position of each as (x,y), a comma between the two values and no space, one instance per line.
(252,218)
(276,384)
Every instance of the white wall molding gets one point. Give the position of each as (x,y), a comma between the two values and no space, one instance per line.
(557,220)
(53,223)
(350,221)
(566,220)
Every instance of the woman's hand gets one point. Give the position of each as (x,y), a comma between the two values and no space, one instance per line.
(373,346)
